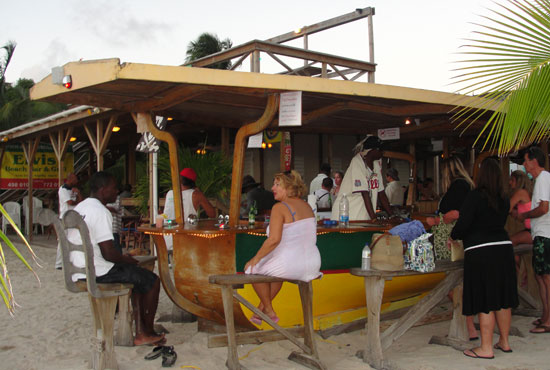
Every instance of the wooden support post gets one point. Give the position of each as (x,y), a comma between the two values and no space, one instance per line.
(374,288)
(371,45)
(225,142)
(458,329)
(103,351)
(60,144)
(412,176)
(232,355)
(100,138)
(29,148)
(174,164)
(238,155)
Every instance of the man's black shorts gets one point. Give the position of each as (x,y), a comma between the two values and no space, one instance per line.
(142,279)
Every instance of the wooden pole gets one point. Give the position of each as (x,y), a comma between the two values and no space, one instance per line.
(225,142)
(174,164)
(29,148)
(371,45)
(60,145)
(238,154)
(101,138)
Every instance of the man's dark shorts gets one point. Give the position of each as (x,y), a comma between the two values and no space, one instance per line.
(142,279)
(541,255)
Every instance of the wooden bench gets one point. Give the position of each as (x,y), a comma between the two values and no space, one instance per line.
(229,284)
(374,288)
(103,297)
(530,294)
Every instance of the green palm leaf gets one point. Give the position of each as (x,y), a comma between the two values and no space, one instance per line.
(509,62)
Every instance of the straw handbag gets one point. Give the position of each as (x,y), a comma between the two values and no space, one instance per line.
(387,252)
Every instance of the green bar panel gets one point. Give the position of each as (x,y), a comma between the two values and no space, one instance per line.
(339,251)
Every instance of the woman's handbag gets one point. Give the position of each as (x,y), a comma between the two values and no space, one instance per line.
(387,252)
(457,250)
(420,255)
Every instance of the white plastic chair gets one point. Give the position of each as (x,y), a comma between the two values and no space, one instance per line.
(14,210)
(36,208)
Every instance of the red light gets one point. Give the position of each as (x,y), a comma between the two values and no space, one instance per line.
(68,85)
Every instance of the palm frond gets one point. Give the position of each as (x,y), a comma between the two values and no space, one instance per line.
(509,62)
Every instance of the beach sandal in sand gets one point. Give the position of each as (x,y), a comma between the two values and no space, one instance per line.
(497,346)
(155,353)
(169,356)
(475,355)
(541,329)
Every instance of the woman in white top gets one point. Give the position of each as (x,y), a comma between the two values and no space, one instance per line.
(290,250)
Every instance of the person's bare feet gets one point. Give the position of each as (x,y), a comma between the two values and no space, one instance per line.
(143,339)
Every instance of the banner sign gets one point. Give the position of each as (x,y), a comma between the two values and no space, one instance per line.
(148,143)
(290,109)
(287,151)
(388,133)
(14,170)
(272,136)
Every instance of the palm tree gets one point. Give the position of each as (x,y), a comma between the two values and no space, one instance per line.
(207,44)
(9,50)
(509,62)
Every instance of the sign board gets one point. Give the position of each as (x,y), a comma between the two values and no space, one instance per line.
(287,151)
(388,133)
(14,171)
(290,109)
(255,141)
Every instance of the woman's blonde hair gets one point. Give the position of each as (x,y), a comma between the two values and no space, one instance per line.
(452,169)
(522,182)
(293,183)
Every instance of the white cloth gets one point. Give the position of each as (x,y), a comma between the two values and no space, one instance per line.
(323,198)
(316,183)
(358,179)
(540,226)
(64,196)
(395,193)
(100,225)
(170,210)
(296,257)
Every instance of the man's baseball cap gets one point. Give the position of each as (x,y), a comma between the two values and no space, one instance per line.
(189,173)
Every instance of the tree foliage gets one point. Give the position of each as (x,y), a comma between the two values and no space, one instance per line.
(208,44)
(508,61)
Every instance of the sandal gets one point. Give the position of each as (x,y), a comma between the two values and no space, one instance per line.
(169,356)
(541,329)
(155,353)
(256,319)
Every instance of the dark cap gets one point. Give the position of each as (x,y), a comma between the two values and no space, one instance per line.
(372,142)
(248,182)
(392,172)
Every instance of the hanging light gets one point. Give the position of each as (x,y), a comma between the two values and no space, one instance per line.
(116,129)
(408,121)
(269,145)
(263,145)
(72,139)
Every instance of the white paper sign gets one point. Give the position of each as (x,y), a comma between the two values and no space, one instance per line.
(388,133)
(290,109)
(255,141)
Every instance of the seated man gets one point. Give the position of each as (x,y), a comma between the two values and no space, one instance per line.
(110,265)
(323,195)
(254,192)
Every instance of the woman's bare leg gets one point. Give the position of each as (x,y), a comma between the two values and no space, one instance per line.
(504,320)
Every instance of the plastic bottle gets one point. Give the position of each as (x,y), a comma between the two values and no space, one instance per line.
(252,213)
(365,261)
(344,211)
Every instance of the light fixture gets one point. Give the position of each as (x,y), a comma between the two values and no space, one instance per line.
(4,139)
(68,81)
(116,129)
(408,121)
(169,118)
(72,139)
(298,30)
(269,145)
(263,145)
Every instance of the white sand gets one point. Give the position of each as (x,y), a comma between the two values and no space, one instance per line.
(51,330)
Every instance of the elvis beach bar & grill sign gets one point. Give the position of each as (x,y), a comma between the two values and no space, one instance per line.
(14,170)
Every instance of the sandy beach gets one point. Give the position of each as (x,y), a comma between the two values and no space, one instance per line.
(52,327)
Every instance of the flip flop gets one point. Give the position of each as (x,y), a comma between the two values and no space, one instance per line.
(475,355)
(545,329)
(156,352)
(256,319)
(497,346)
(169,356)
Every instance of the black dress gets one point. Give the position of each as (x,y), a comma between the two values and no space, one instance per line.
(489,268)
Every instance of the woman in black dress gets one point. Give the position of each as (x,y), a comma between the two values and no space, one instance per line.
(490,287)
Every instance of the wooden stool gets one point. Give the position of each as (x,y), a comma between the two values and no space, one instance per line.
(229,284)
(103,297)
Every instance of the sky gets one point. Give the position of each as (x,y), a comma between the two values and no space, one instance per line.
(415,42)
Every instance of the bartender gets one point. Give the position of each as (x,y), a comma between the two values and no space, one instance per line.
(363,182)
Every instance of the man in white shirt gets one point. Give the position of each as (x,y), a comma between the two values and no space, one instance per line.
(534,161)
(363,182)
(323,195)
(69,196)
(316,183)
(111,266)
(394,190)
